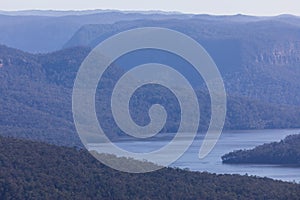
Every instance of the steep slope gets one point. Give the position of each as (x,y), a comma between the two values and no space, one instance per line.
(259,58)
(36,91)
(31,106)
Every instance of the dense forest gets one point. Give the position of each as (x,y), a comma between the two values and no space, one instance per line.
(285,152)
(34,170)
(36,103)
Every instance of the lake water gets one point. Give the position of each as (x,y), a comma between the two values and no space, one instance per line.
(229,141)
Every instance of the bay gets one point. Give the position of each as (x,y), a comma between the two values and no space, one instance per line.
(229,141)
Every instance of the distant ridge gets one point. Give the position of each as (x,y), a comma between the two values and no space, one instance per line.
(31,32)
(60,13)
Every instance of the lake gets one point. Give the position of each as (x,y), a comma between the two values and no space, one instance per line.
(229,141)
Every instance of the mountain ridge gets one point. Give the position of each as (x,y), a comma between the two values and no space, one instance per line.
(36,97)
(264,52)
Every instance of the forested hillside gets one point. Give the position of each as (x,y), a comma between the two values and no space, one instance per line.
(32,170)
(259,58)
(41,155)
(285,152)
(36,100)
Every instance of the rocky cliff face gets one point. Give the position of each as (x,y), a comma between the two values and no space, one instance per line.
(284,53)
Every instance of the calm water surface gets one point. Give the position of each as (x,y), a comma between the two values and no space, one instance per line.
(229,141)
